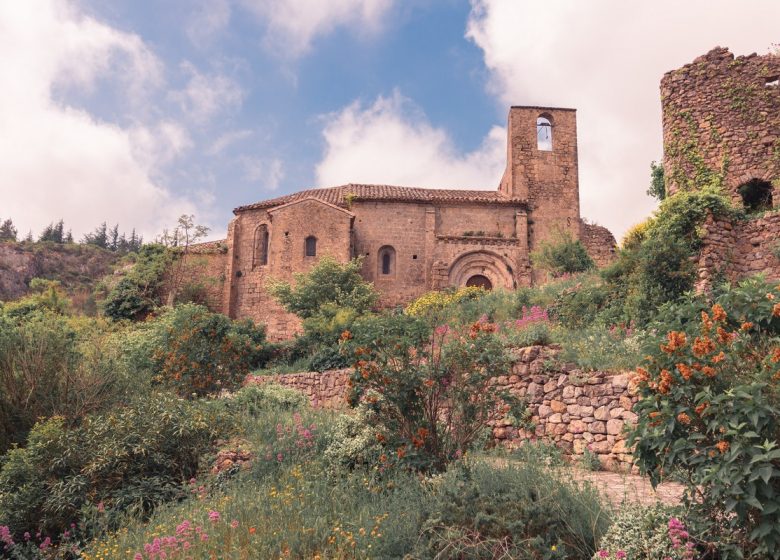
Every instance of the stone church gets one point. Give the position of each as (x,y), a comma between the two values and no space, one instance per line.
(413,240)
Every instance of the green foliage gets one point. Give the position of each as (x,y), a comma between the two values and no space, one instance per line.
(126,461)
(432,392)
(328,283)
(46,295)
(7,231)
(518,511)
(562,255)
(661,268)
(354,443)
(255,398)
(642,533)
(600,348)
(138,293)
(53,365)
(539,453)
(710,409)
(657,184)
(590,461)
(55,233)
(198,352)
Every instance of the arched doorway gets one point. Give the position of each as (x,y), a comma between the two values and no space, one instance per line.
(479,281)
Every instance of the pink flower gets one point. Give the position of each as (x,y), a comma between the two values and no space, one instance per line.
(45,544)
(204,537)
(234,523)
(101,507)
(214,516)
(138,556)
(603,554)
(620,555)
(279,457)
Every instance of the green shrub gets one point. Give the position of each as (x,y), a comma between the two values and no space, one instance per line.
(126,461)
(54,365)
(515,511)
(641,533)
(432,392)
(562,255)
(138,294)
(198,352)
(710,409)
(597,347)
(255,398)
(539,453)
(354,443)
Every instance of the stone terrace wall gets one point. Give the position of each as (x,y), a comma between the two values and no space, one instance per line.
(570,408)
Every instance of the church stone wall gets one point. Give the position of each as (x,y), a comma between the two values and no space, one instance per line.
(721,116)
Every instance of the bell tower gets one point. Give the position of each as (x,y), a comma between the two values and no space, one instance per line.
(542,169)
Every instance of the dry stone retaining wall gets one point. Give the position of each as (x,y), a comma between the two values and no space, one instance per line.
(573,409)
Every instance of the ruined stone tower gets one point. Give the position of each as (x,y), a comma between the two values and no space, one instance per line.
(721,121)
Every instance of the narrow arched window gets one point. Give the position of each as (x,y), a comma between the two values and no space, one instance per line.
(386,261)
(311,246)
(260,257)
(544,133)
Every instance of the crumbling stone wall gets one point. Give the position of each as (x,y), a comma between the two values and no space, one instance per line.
(599,243)
(736,249)
(721,120)
(573,409)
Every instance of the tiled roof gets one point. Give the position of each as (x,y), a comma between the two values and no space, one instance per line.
(339,195)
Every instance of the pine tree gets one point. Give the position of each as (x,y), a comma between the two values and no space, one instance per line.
(113,238)
(7,231)
(54,232)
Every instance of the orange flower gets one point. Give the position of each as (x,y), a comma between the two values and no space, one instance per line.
(706,322)
(428,382)
(724,337)
(718,313)
(684,418)
(703,346)
(380,438)
(252,530)
(675,340)
(775,355)
(702,407)
(423,432)
(776,310)
(722,446)
(417,442)
(401,452)
(655,414)
(685,371)
(666,382)
(770,297)
(641,375)
(346,335)
(383,458)
(718,357)
(746,326)
(708,371)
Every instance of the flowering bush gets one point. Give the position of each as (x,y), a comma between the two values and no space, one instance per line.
(710,410)
(646,533)
(432,392)
(199,352)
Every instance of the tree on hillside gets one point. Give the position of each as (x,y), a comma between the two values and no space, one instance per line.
(54,232)
(185,234)
(98,238)
(7,231)
(657,185)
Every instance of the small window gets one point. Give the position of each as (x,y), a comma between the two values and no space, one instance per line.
(386,261)
(756,195)
(260,257)
(544,134)
(774,81)
(311,246)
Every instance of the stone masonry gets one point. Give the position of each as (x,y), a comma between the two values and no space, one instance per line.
(413,240)
(721,116)
(572,409)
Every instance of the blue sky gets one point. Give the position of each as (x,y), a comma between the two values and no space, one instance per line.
(138,111)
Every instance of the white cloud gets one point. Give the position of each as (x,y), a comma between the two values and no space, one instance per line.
(206,95)
(267,172)
(228,139)
(606,58)
(294,24)
(209,18)
(57,161)
(391,142)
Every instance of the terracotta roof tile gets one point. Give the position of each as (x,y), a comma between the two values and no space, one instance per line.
(389,193)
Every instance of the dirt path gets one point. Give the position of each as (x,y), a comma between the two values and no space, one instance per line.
(622,489)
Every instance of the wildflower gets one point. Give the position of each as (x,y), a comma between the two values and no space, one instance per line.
(719,357)
(770,297)
(684,418)
(553,548)
(718,313)
(641,375)
(708,371)
(401,452)
(776,310)
(252,530)
(603,554)
(722,446)
(746,326)
(676,340)
(703,346)
(346,335)
(45,544)
(620,554)
(234,523)
(138,556)
(706,322)
(775,355)
(213,516)
(666,382)
(702,407)
(685,371)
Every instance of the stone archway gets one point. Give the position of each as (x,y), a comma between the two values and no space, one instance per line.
(481,268)
(479,281)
